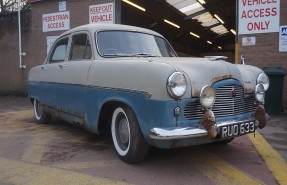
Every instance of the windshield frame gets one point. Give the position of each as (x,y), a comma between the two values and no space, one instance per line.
(135,54)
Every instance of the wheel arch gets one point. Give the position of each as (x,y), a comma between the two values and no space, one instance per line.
(106,112)
(32,98)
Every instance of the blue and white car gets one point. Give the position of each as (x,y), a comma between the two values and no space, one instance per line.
(130,82)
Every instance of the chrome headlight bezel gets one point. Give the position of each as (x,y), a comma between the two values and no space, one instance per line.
(207,96)
(176,85)
(264,80)
(260,93)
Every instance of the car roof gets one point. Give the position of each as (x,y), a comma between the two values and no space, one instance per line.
(105,26)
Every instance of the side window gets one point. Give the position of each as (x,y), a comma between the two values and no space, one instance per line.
(59,51)
(80,48)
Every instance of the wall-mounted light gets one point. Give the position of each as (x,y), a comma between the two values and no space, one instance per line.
(219,47)
(202,1)
(134,5)
(195,35)
(234,32)
(171,23)
(219,19)
(209,42)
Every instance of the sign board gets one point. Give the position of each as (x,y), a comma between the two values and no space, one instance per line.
(101,13)
(62,6)
(258,16)
(283,39)
(248,41)
(56,21)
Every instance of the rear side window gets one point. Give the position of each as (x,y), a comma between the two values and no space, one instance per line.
(59,51)
(80,48)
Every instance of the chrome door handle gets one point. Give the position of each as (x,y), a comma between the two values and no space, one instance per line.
(62,65)
(43,67)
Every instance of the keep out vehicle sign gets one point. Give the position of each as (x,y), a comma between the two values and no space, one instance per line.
(56,21)
(101,13)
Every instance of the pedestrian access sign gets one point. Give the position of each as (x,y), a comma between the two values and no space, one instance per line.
(283,39)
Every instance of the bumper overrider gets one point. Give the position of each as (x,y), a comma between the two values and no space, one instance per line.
(213,130)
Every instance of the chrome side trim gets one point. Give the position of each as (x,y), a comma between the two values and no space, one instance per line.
(145,93)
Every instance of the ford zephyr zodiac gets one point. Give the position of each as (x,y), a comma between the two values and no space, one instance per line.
(129,81)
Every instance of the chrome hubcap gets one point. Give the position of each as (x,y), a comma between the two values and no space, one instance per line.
(124,131)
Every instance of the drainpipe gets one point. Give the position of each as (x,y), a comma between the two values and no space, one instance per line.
(21,66)
(236,36)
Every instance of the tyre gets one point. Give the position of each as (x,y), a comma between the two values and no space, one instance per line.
(127,136)
(40,115)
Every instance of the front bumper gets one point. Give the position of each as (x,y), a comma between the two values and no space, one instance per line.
(191,132)
(209,127)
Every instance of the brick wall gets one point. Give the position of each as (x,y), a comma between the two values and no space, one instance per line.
(266,51)
(13,79)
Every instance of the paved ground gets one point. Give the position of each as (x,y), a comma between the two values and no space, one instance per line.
(276,133)
(59,153)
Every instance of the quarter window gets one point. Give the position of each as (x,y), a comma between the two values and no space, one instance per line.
(80,48)
(59,51)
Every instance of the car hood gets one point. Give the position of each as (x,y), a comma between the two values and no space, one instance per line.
(203,71)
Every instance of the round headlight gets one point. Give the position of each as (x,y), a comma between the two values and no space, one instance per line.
(264,80)
(207,96)
(176,85)
(259,93)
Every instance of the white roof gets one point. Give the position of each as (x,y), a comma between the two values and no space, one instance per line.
(104,26)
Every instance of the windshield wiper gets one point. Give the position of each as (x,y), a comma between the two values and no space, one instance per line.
(130,55)
(117,55)
(145,55)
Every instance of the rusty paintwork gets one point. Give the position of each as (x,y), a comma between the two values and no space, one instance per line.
(218,78)
(196,93)
(260,115)
(209,123)
(248,90)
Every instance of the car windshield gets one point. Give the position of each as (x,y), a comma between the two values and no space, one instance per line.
(128,43)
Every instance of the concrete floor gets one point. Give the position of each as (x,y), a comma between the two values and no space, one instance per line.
(276,133)
(60,153)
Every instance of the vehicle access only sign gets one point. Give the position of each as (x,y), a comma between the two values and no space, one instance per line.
(258,16)
(101,13)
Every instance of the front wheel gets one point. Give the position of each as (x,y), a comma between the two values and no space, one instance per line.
(40,115)
(127,136)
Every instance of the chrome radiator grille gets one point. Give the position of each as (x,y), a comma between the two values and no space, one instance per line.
(229,101)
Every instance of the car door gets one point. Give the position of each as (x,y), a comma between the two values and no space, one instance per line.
(72,76)
(49,73)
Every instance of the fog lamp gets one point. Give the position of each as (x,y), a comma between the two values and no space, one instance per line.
(207,96)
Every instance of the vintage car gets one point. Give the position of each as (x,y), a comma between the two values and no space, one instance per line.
(129,81)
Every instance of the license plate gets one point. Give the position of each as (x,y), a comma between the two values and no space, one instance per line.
(237,129)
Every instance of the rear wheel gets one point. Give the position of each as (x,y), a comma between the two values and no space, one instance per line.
(127,136)
(40,115)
